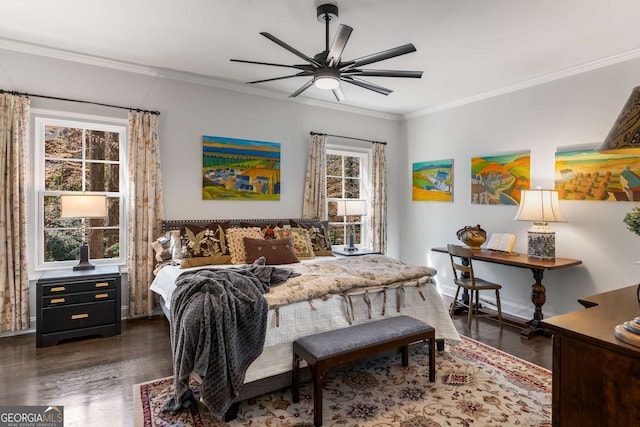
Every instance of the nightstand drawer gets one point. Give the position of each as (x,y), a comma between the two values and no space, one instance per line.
(78,316)
(84,286)
(66,299)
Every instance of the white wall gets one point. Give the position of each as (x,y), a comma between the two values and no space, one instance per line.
(574,111)
(189,111)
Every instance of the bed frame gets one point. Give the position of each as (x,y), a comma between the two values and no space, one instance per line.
(279,381)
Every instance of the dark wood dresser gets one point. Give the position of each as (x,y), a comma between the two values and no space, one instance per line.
(596,377)
(73,304)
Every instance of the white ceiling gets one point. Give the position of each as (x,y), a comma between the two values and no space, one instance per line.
(468,49)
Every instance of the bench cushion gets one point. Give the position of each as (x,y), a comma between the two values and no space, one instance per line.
(327,344)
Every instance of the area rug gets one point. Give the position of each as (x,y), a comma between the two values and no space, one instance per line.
(476,385)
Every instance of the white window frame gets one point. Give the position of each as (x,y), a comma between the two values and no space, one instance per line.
(42,118)
(364,155)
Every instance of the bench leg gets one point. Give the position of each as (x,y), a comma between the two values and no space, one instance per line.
(232,412)
(405,355)
(432,359)
(318,380)
(295,383)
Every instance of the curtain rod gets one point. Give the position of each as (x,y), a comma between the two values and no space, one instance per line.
(347,137)
(25,94)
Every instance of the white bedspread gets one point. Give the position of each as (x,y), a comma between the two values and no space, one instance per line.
(415,296)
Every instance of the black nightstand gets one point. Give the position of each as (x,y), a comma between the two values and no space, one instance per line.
(343,252)
(73,304)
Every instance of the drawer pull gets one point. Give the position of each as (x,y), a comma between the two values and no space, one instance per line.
(58,289)
(102,296)
(102,284)
(79,316)
(57,300)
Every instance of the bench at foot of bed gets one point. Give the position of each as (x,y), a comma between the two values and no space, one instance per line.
(334,348)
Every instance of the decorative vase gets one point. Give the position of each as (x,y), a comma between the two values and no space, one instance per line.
(471,236)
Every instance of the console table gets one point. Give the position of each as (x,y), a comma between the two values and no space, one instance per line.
(538,291)
(596,377)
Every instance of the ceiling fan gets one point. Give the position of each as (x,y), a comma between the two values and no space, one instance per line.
(327,68)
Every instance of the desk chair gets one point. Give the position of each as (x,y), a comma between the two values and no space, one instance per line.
(463,277)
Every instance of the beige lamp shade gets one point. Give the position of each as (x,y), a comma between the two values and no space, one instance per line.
(352,207)
(625,132)
(83,206)
(539,206)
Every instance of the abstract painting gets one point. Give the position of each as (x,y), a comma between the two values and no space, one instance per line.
(432,181)
(240,169)
(497,180)
(612,175)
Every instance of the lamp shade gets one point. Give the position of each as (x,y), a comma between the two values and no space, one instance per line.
(83,206)
(625,132)
(539,206)
(349,207)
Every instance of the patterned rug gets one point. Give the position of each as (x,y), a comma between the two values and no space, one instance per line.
(476,385)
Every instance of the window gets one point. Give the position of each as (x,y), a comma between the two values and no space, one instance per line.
(79,155)
(347,178)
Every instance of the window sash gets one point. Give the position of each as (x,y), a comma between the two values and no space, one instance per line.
(44,118)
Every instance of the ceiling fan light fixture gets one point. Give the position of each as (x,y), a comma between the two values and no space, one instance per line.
(326,79)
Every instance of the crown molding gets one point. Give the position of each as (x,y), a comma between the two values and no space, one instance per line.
(167,73)
(546,78)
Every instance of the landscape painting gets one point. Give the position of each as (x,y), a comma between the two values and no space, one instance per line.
(240,169)
(433,181)
(498,180)
(598,175)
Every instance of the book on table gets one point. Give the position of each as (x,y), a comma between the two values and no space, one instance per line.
(501,242)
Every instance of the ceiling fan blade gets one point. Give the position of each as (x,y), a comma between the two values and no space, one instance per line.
(366,85)
(304,87)
(337,46)
(292,49)
(298,67)
(300,74)
(337,92)
(383,73)
(380,56)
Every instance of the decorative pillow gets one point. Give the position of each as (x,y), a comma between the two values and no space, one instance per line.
(175,245)
(268,230)
(319,235)
(204,245)
(236,244)
(162,248)
(275,251)
(301,241)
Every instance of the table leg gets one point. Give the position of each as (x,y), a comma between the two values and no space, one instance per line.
(538,298)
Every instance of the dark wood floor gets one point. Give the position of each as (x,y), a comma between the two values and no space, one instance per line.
(93,378)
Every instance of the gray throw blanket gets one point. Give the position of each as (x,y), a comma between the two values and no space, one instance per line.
(218,327)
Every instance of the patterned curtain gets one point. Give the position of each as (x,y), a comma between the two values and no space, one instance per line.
(145,209)
(315,183)
(14,281)
(379,198)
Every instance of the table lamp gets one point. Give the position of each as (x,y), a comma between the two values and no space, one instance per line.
(541,207)
(351,207)
(84,206)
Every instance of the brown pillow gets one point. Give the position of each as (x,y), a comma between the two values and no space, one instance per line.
(204,245)
(275,251)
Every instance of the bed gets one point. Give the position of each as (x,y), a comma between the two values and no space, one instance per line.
(367,288)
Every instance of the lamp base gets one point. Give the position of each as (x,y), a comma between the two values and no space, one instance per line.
(541,245)
(84,263)
(351,247)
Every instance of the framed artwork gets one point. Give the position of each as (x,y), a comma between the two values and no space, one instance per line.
(432,181)
(497,180)
(240,169)
(612,175)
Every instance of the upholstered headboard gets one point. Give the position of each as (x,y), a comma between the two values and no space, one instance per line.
(174,224)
